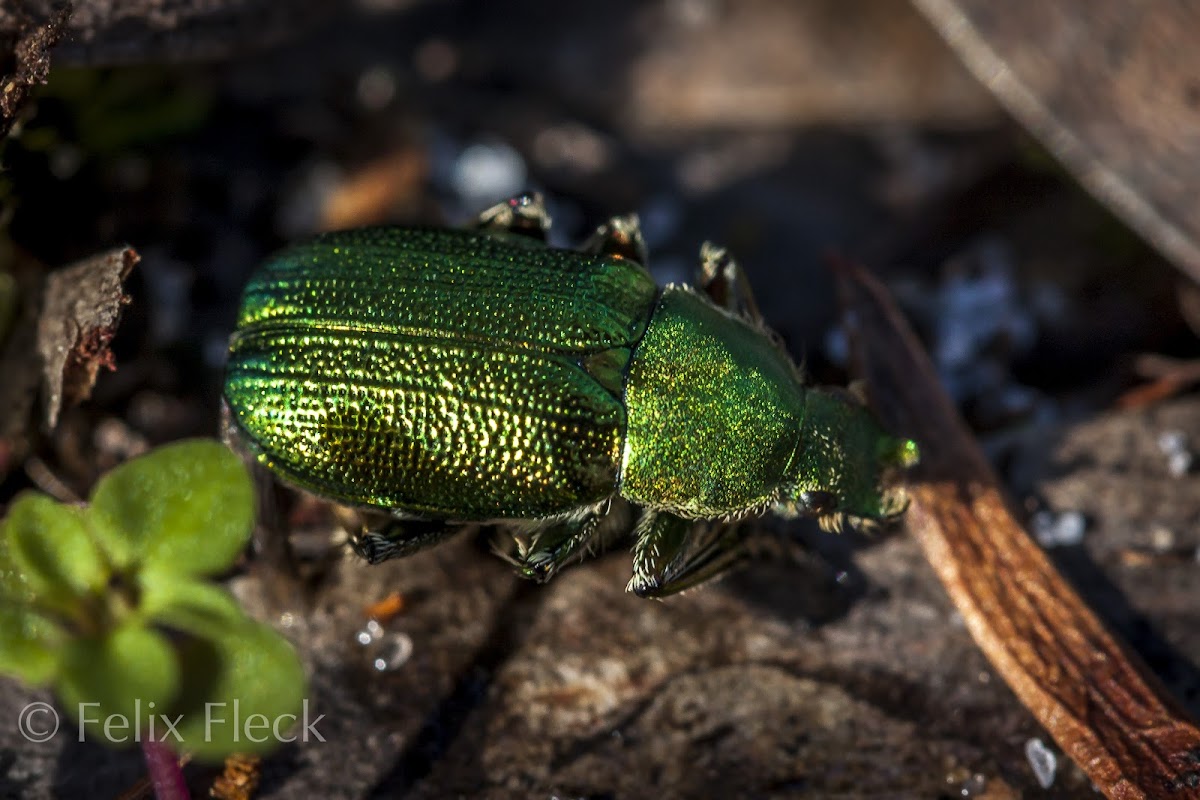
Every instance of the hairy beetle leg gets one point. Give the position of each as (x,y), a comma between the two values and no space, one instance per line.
(542,552)
(725,283)
(672,554)
(524,214)
(620,236)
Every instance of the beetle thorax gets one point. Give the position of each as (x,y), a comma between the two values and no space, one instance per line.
(714,409)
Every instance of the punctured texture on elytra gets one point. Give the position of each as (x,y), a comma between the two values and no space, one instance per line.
(441,372)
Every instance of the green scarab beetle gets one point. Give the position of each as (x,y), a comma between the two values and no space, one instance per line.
(479,375)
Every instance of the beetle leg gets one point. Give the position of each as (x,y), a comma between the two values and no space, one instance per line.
(400,537)
(725,283)
(620,236)
(269,540)
(671,554)
(543,552)
(524,214)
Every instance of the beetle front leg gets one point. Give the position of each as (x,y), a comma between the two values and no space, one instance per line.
(620,236)
(524,214)
(725,283)
(671,554)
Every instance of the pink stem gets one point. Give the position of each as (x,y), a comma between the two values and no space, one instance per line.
(165,772)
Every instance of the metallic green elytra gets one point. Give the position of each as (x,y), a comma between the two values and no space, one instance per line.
(479,375)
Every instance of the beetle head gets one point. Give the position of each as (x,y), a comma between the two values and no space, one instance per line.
(846,467)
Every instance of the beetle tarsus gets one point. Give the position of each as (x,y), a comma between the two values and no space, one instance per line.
(400,538)
(524,214)
(622,237)
(722,279)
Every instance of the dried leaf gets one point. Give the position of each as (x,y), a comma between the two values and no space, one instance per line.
(763,64)
(31,54)
(240,778)
(80,311)
(122,31)
(1099,702)
(1111,91)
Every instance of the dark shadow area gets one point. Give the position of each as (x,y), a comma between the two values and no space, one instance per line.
(83,766)
(444,725)
(9,786)
(800,573)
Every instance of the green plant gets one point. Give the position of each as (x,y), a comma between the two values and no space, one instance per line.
(111,605)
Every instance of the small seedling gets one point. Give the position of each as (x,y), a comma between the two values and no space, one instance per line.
(112,605)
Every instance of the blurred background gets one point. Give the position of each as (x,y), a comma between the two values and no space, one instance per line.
(1024,186)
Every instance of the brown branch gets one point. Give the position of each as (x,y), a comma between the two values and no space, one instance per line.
(1096,699)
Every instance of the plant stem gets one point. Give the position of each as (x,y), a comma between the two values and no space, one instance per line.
(165,772)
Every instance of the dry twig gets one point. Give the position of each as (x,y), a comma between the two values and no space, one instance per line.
(1096,699)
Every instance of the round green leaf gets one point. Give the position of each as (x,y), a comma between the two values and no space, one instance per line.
(244,694)
(14,586)
(118,686)
(190,605)
(188,507)
(29,645)
(51,545)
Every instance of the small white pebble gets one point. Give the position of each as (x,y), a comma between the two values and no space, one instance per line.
(1064,529)
(370,633)
(396,653)
(1174,445)
(974,786)
(1172,441)
(1162,538)
(1042,760)
(1179,464)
